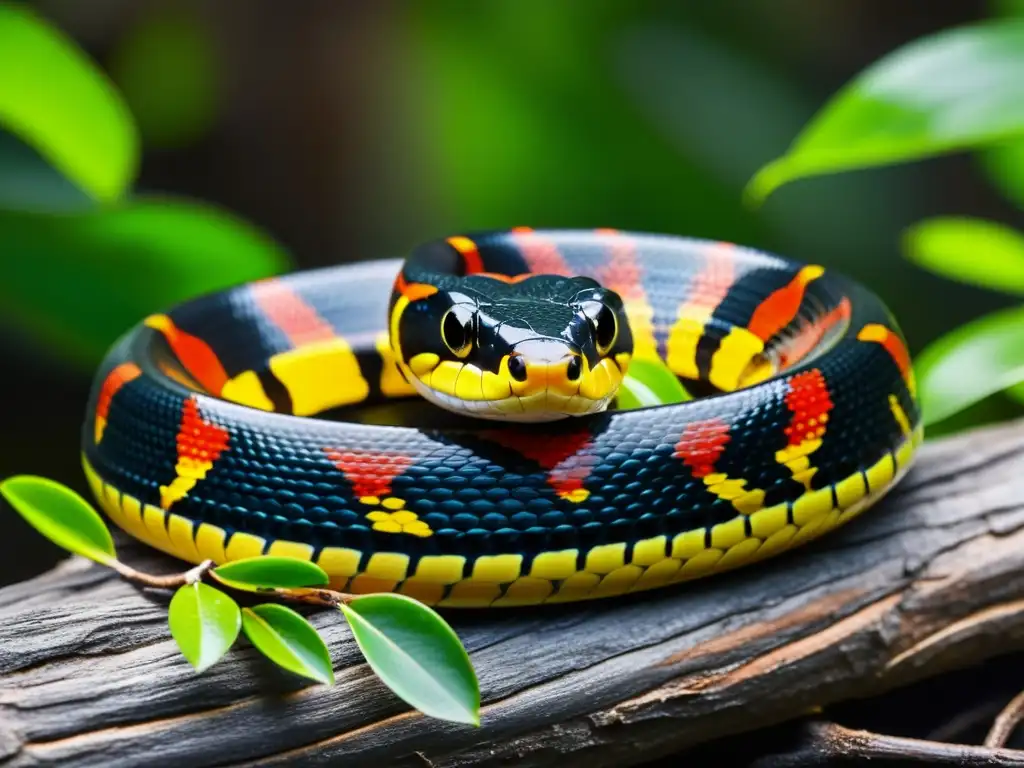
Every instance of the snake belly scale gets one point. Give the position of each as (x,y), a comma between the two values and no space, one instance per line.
(229,426)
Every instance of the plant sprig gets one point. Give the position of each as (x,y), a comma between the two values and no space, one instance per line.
(407,644)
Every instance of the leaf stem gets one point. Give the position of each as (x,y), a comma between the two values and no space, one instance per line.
(168,581)
(310,595)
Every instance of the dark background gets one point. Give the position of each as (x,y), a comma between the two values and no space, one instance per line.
(354,130)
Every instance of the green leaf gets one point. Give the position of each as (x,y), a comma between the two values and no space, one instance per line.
(417,655)
(58,101)
(61,515)
(204,623)
(968,250)
(971,363)
(287,639)
(953,90)
(118,265)
(271,571)
(647,383)
(1003,164)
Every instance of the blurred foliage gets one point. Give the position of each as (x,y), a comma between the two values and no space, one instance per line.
(975,361)
(171,47)
(953,90)
(959,89)
(85,267)
(57,101)
(639,116)
(118,264)
(625,109)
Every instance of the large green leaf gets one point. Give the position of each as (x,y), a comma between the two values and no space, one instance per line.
(58,101)
(648,383)
(968,250)
(973,362)
(77,281)
(270,571)
(417,655)
(61,515)
(949,91)
(204,623)
(287,639)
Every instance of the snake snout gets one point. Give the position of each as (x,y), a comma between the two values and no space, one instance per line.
(550,365)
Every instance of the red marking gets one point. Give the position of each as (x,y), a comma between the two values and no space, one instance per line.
(892,344)
(796,348)
(369,472)
(470,254)
(413,291)
(290,312)
(194,354)
(711,285)
(116,379)
(621,273)
(702,444)
(566,458)
(809,401)
(541,254)
(778,310)
(198,438)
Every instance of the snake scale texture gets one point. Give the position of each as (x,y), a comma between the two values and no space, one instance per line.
(445,425)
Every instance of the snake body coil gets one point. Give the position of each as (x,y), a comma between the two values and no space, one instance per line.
(236,423)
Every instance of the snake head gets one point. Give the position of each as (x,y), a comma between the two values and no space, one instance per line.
(536,349)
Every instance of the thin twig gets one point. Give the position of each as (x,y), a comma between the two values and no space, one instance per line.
(960,723)
(1006,722)
(309,595)
(168,581)
(823,743)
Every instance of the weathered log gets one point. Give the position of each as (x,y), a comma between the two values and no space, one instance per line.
(929,580)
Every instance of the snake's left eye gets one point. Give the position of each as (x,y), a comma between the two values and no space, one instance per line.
(457,330)
(604,324)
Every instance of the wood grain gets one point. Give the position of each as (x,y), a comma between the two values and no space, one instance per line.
(931,579)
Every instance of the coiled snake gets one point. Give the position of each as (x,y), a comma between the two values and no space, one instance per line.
(261,419)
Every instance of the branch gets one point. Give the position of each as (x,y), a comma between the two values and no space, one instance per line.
(825,743)
(928,581)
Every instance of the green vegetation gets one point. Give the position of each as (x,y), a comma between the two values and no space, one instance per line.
(410,647)
(956,90)
(121,254)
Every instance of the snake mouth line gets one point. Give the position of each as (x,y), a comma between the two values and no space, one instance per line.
(545,396)
(536,407)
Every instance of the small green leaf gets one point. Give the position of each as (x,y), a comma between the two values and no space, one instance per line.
(271,571)
(647,383)
(204,623)
(417,655)
(287,639)
(971,363)
(57,100)
(61,515)
(968,250)
(956,89)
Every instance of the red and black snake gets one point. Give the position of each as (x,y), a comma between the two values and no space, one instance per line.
(451,433)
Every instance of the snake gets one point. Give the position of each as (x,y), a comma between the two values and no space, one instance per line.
(448,424)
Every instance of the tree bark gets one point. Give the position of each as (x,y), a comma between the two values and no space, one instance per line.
(929,580)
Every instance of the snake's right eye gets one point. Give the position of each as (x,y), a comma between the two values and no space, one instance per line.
(457,330)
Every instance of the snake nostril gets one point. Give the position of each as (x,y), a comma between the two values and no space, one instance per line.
(574,368)
(517,368)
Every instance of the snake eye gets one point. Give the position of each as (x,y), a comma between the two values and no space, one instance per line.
(604,324)
(457,330)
